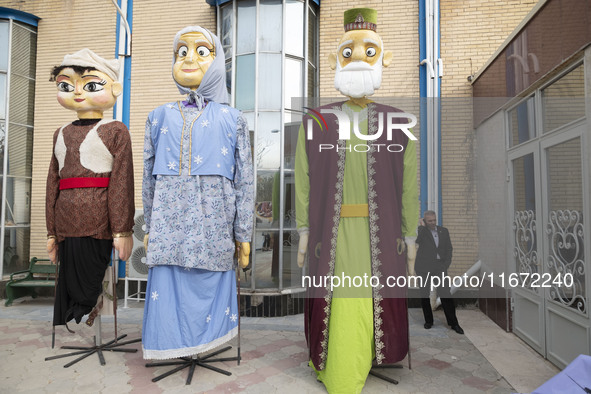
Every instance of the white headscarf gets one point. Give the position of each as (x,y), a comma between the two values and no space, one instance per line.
(213,86)
(87,58)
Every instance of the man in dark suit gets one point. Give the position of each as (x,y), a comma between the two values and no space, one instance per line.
(433,259)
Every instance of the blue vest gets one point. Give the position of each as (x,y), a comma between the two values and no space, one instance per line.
(213,140)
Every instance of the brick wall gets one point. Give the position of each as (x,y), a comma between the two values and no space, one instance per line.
(151,79)
(64,28)
(67,26)
(471,31)
(398,27)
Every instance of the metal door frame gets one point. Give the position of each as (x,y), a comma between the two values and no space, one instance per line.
(559,351)
(520,296)
(563,332)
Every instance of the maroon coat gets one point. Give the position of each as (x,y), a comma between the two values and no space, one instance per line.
(385,173)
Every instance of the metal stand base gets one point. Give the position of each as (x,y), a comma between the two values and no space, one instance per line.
(384,377)
(98,348)
(196,361)
(85,351)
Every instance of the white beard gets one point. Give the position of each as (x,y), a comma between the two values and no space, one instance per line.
(358,79)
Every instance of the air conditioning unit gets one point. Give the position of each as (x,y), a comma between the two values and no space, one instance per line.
(137,268)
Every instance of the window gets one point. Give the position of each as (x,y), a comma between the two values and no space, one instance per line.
(522,125)
(18,46)
(564,100)
(272,45)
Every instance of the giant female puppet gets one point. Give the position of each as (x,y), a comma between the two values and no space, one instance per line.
(198,201)
(355,207)
(89,196)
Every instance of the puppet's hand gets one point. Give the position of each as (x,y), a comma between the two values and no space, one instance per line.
(302,249)
(146,240)
(411,254)
(123,245)
(243,253)
(52,249)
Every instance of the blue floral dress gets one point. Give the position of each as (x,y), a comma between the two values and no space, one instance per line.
(193,220)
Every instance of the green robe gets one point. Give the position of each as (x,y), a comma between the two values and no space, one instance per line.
(351,325)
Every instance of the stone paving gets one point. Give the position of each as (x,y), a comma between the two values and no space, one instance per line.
(274,359)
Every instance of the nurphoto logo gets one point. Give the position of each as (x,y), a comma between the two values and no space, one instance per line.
(344,125)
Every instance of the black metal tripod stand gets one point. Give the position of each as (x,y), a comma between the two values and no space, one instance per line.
(98,348)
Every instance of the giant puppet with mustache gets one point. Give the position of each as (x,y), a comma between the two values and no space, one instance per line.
(357,209)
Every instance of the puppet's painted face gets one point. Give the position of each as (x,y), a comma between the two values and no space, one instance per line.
(194,54)
(89,94)
(360,45)
(358,63)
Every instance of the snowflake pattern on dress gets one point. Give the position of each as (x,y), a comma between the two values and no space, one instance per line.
(196,228)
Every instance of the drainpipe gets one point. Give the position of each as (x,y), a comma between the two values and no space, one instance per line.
(121,110)
(430,74)
(123,53)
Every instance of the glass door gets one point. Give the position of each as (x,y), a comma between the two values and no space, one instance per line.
(565,241)
(528,300)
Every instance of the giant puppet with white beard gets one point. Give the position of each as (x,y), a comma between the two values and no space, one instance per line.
(356,208)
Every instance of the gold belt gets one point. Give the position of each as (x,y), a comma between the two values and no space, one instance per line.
(354,211)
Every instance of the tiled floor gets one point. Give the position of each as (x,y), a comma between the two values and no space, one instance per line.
(274,358)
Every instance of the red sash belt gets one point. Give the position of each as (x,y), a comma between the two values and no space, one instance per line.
(72,183)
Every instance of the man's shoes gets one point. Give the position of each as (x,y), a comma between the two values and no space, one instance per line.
(428,325)
(457,329)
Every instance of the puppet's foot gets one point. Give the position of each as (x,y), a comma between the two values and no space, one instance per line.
(94,313)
